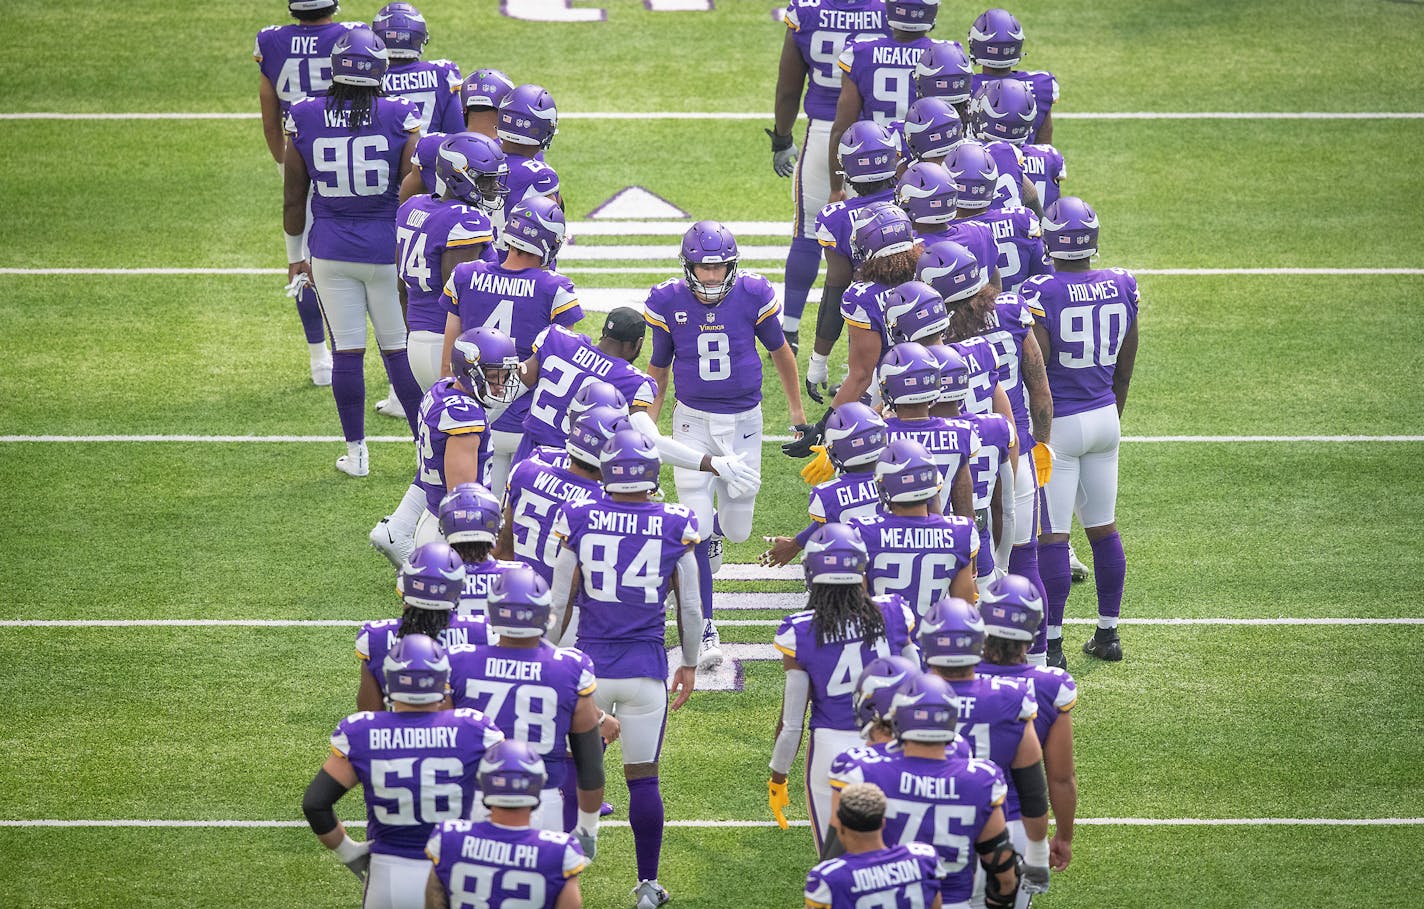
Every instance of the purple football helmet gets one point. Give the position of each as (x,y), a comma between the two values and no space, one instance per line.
(471,167)
(470,513)
(835,554)
(592,429)
(924,709)
(629,462)
(996,39)
(906,473)
(944,72)
(485,88)
(709,243)
(973,168)
(537,227)
(402,28)
(417,670)
(911,15)
(951,633)
(953,374)
(952,270)
(519,603)
(511,775)
(927,193)
(1003,109)
(880,229)
(432,577)
(593,393)
(855,435)
(876,687)
(311,6)
(909,374)
(359,57)
(914,311)
(868,152)
(527,116)
(932,128)
(1070,229)
(476,354)
(1012,608)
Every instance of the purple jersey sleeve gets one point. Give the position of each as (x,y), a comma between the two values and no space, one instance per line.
(883,71)
(916,557)
(1087,315)
(993,714)
(447,411)
(529,177)
(821,31)
(433,87)
(425,228)
(1009,325)
(976,237)
(567,361)
(1010,162)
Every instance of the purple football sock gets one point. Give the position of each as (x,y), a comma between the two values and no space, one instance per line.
(1057,577)
(309,311)
(348,387)
(403,381)
(802,264)
(1023,560)
(704,577)
(645,816)
(1109,574)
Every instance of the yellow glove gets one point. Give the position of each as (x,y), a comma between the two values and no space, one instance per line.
(778,801)
(1042,462)
(820,469)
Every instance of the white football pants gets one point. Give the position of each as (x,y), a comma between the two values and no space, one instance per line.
(423,350)
(1084,479)
(348,291)
(394,882)
(641,707)
(717,434)
(825,746)
(811,184)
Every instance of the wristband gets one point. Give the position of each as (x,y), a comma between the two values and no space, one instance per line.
(294,248)
(348,850)
(1036,853)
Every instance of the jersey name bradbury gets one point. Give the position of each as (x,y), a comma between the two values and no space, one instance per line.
(434,737)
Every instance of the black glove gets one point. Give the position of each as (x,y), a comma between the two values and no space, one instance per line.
(811,434)
(783,154)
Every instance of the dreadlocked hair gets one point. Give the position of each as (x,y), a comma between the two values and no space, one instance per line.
(357,102)
(843,612)
(429,622)
(1004,652)
(891,270)
(970,318)
(472,553)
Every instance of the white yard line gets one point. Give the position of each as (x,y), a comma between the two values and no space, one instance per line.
(751,115)
(772,439)
(788,602)
(708,824)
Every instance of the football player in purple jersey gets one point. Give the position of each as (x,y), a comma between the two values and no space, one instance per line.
(526,125)
(433,86)
(816,33)
(1045,168)
(350,149)
(913,551)
(910,386)
(869,873)
(541,693)
(506,860)
(1000,116)
(996,43)
(929,194)
(879,81)
(521,296)
(469,522)
(416,765)
(824,649)
(885,242)
(870,160)
(430,584)
(854,438)
(480,94)
(1012,609)
(621,556)
(1085,320)
(706,326)
(294,62)
(1017,236)
(549,476)
(996,718)
(942,795)
(454,445)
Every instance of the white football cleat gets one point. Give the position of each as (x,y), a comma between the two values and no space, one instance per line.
(1080,571)
(321,370)
(650,895)
(709,655)
(390,406)
(714,552)
(385,542)
(356,462)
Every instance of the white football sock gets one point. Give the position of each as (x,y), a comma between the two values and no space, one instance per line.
(404,518)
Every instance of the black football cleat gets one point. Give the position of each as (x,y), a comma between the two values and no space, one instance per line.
(794,339)
(1056,659)
(1105,645)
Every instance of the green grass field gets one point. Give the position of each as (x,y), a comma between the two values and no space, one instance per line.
(1201,722)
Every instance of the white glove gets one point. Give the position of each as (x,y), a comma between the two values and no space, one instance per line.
(742,478)
(587,841)
(818,372)
(295,287)
(356,856)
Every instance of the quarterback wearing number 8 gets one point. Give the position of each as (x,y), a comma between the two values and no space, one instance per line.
(1086,324)
(705,327)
